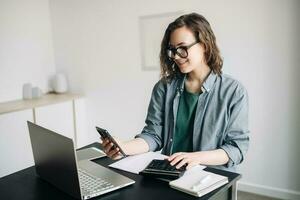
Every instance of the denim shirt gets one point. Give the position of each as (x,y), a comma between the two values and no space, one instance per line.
(221,118)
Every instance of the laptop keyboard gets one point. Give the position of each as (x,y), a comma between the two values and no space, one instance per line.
(92,184)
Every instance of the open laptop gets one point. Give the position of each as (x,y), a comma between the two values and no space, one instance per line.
(56,162)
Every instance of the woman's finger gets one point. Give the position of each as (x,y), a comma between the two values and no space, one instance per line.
(109,147)
(105,142)
(112,152)
(177,159)
(117,156)
(174,156)
(182,163)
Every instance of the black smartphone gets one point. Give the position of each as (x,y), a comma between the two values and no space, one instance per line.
(105,135)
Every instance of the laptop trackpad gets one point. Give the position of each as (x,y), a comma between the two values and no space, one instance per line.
(89,154)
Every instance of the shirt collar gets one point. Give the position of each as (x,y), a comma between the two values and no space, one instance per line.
(209,82)
(206,86)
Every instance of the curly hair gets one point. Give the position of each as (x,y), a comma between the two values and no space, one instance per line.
(203,33)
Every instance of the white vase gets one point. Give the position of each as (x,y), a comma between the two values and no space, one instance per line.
(60,84)
(27,91)
(36,92)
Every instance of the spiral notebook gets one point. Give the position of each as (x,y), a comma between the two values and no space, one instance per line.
(198,182)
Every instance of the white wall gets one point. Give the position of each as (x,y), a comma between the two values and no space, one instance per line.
(97,44)
(26,46)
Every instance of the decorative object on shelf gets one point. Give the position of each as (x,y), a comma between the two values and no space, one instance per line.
(36,92)
(59,83)
(27,91)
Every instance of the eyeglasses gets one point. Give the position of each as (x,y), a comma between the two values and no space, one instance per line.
(181,51)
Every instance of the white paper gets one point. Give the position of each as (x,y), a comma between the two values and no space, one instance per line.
(137,163)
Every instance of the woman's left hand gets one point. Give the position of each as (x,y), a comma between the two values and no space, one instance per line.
(190,159)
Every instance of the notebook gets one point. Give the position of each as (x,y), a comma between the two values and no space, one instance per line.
(198,182)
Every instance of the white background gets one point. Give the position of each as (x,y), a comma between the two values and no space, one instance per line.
(96,44)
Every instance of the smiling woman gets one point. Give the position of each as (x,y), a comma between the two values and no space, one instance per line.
(197,114)
(185,30)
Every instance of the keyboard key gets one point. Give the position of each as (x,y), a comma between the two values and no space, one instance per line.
(91,184)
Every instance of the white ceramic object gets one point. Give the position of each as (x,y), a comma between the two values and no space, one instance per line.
(60,84)
(36,92)
(27,91)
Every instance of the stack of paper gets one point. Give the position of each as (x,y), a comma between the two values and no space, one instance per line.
(137,163)
(198,182)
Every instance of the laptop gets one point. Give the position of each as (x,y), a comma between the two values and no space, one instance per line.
(56,162)
(90,153)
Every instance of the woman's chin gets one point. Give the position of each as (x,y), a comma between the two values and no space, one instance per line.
(184,70)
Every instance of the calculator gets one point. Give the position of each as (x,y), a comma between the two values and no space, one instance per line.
(163,169)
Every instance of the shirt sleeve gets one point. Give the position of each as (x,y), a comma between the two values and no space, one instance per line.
(153,130)
(236,139)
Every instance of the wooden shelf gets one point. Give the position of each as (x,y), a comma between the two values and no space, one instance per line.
(47,99)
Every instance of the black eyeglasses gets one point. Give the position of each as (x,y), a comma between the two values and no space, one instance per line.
(181,51)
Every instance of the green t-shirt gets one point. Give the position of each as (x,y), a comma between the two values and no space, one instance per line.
(183,138)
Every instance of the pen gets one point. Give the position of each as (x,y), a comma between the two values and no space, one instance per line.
(203,179)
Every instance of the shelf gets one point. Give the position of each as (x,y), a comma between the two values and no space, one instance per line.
(47,99)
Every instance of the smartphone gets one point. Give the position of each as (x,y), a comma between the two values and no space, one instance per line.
(105,135)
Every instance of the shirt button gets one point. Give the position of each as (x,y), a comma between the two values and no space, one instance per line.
(171,140)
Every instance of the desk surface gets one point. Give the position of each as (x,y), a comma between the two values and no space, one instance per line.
(26,185)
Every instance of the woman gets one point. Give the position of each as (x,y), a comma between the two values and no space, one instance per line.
(196,115)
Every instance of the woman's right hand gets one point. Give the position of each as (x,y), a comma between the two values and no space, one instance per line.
(110,150)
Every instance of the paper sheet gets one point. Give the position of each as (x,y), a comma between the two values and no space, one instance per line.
(137,163)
